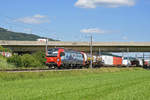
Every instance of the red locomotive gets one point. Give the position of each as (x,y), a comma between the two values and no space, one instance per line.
(60,58)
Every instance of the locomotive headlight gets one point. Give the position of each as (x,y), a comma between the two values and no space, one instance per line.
(57,60)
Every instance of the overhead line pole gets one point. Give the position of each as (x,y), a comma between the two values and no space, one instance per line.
(99,52)
(143,59)
(46,48)
(91,51)
(128,57)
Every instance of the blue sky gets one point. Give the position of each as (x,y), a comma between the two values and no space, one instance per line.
(72,20)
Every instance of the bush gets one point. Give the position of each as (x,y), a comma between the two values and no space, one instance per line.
(15,59)
(4,64)
(1,48)
(4,49)
(30,61)
(40,56)
(35,60)
(24,61)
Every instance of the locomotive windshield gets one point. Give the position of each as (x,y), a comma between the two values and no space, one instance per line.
(52,52)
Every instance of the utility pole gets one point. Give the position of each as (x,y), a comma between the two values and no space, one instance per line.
(122,54)
(46,47)
(91,51)
(99,52)
(143,60)
(128,56)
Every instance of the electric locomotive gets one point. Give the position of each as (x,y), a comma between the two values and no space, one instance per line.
(64,58)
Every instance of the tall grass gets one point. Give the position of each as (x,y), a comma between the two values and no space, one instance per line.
(89,84)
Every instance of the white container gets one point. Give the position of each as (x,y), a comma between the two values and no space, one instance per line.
(140,62)
(126,62)
(94,58)
(108,60)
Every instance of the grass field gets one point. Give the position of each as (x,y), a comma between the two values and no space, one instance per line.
(89,84)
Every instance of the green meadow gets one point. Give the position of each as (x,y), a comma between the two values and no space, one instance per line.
(88,84)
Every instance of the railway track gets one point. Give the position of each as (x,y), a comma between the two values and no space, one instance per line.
(35,70)
(47,69)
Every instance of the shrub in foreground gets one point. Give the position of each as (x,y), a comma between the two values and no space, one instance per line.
(24,61)
(30,61)
(4,64)
(15,59)
(40,56)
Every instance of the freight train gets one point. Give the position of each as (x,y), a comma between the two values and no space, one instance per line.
(66,58)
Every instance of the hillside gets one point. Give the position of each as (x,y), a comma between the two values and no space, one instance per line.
(9,35)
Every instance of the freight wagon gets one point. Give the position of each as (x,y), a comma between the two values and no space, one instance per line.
(131,61)
(112,60)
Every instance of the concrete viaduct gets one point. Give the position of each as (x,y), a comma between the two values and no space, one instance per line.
(32,46)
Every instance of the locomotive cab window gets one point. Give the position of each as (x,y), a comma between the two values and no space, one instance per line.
(52,53)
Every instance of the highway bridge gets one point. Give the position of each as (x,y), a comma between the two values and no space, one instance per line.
(32,46)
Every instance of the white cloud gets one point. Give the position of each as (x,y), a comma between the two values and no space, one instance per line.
(36,19)
(93,30)
(125,38)
(39,16)
(104,3)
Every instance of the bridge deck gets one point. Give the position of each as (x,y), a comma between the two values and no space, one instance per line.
(17,46)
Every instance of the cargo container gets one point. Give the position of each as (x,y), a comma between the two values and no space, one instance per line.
(117,61)
(126,62)
(107,60)
(140,62)
(147,62)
